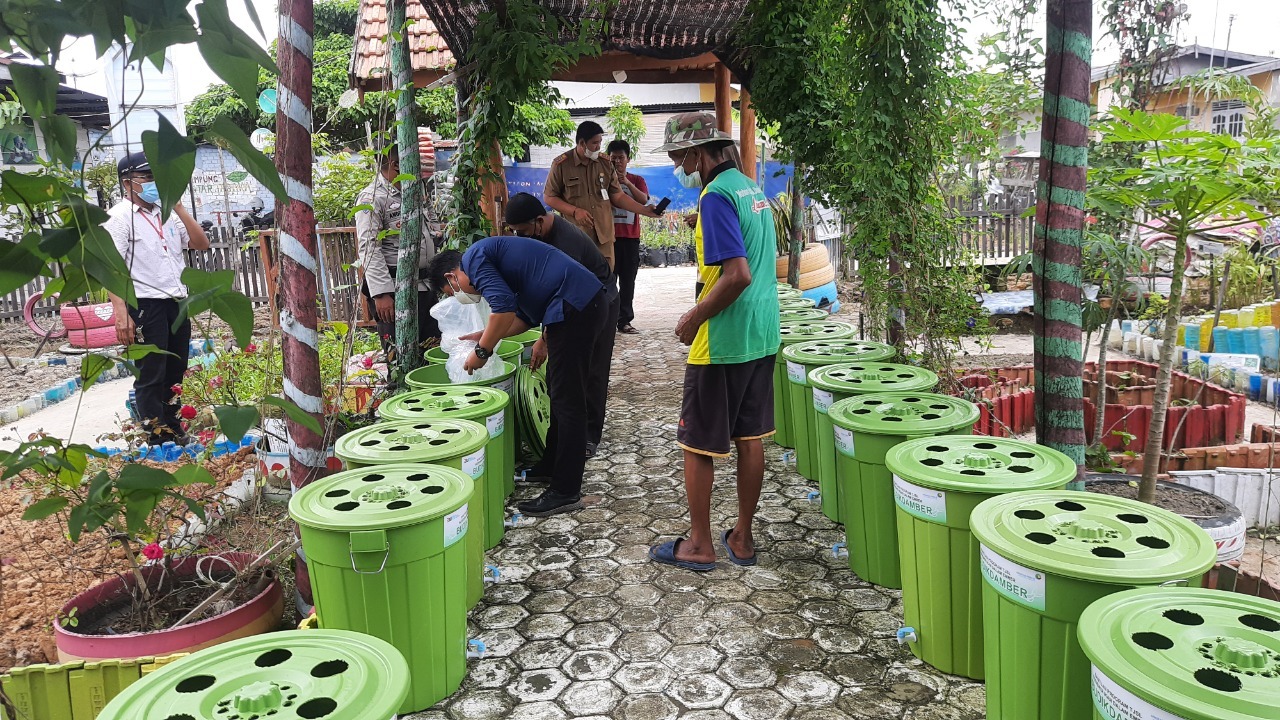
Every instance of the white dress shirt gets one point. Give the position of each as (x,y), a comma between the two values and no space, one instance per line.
(152,249)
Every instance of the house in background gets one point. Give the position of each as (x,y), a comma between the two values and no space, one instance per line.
(21,144)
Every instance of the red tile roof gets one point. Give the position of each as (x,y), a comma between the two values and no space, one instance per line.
(372,61)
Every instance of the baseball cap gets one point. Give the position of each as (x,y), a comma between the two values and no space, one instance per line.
(133,162)
(523,207)
(689,129)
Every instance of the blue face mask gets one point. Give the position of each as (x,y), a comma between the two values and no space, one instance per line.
(149,193)
(690,180)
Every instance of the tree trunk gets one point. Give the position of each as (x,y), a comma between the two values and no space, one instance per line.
(797,230)
(1100,402)
(1160,402)
(1059,231)
(408,352)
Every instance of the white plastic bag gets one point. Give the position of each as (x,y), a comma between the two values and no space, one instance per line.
(491,369)
(456,320)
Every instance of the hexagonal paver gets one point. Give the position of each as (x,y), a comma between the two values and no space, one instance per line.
(726,590)
(808,688)
(687,630)
(647,707)
(534,685)
(501,616)
(785,626)
(643,619)
(593,636)
(750,671)
(594,586)
(545,626)
(592,665)
(636,646)
(733,613)
(824,612)
(742,641)
(537,711)
(491,673)
(865,599)
(700,691)
(482,705)
(643,677)
(592,697)
(542,654)
(757,705)
(693,658)
(550,580)
(548,601)
(595,548)
(762,579)
(637,595)
(594,609)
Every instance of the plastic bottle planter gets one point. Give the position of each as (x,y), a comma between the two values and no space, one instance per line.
(937,482)
(508,350)
(829,384)
(386,550)
(801,359)
(1183,654)
(866,428)
(329,674)
(792,333)
(1045,557)
(457,444)
(486,406)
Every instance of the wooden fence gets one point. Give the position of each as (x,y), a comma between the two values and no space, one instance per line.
(994,232)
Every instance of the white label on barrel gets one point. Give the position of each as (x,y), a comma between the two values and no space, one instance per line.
(1021,585)
(473,464)
(506,385)
(822,400)
(497,422)
(844,440)
(1115,703)
(921,502)
(455,526)
(795,371)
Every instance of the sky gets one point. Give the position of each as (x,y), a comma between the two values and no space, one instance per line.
(1256,30)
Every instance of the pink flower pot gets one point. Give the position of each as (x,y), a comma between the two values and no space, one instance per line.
(259,615)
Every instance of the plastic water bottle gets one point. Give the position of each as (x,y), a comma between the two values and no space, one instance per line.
(1235,340)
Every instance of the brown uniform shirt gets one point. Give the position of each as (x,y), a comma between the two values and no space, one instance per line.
(587,184)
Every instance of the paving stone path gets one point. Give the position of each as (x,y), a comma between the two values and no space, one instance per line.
(583,625)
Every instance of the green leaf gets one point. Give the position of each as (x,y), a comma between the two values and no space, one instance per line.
(231,53)
(91,369)
(138,507)
(37,87)
(172,158)
(25,189)
(134,476)
(58,242)
(295,413)
(20,262)
(137,352)
(192,474)
(255,162)
(59,138)
(42,509)
(99,486)
(237,176)
(213,291)
(236,420)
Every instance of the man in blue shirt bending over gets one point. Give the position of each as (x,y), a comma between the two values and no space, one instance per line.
(529,283)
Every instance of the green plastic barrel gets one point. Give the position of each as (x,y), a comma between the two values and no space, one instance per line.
(486,406)
(866,428)
(387,556)
(459,444)
(1045,557)
(829,384)
(1183,654)
(796,303)
(508,350)
(331,674)
(526,340)
(937,482)
(792,333)
(803,314)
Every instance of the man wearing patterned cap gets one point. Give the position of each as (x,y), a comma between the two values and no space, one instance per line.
(733,336)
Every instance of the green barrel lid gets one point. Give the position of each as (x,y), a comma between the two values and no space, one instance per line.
(803,315)
(1193,652)
(785,290)
(904,414)
(796,303)
(863,378)
(840,350)
(978,464)
(1093,537)
(381,497)
(533,408)
(411,441)
(816,330)
(330,674)
(468,402)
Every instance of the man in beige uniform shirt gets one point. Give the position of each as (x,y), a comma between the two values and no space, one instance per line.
(583,187)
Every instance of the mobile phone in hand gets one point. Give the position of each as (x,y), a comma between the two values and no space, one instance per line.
(661,207)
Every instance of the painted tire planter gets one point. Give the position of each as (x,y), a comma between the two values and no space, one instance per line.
(814,257)
(261,614)
(87,316)
(93,338)
(1226,529)
(785,427)
(822,276)
(824,297)
(1182,654)
(1046,556)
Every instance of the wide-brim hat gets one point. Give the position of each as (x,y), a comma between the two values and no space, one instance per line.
(690,129)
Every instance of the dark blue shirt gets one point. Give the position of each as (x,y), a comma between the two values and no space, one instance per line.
(529,278)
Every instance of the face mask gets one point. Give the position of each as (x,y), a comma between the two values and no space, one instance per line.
(591,154)
(464,298)
(149,193)
(690,180)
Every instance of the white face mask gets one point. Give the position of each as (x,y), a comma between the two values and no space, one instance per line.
(691,180)
(591,154)
(464,298)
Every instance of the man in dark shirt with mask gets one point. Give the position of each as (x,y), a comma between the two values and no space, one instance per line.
(528,218)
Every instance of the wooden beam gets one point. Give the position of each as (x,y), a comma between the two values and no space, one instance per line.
(747,134)
(724,103)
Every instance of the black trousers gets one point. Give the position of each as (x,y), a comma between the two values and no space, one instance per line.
(568,382)
(601,366)
(428,328)
(159,372)
(626,258)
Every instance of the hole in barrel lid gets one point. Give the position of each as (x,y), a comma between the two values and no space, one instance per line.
(1183,617)
(930,416)
(370,443)
(450,431)
(911,399)
(432,490)
(340,492)
(860,411)
(1022,454)
(350,505)
(195,683)
(1152,640)
(398,504)
(1104,551)
(873,402)
(1216,679)
(1069,506)
(372,477)
(905,376)
(1041,538)
(931,462)
(937,448)
(1132,518)
(418,477)
(1018,469)
(1260,622)
(438,442)
(973,471)
(938,406)
(179,716)
(1029,514)
(398,448)
(985,446)
(329,668)
(272,658)
(892,418)
(316,708)
(1154,543)
(386,431)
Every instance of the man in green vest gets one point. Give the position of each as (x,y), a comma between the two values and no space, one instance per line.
(733,336)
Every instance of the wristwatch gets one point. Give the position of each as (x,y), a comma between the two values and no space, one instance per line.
(483,353)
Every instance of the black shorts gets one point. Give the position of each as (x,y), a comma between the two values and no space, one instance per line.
(724,403)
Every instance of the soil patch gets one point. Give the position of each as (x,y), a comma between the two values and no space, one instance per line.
(172,598)
(23,381)
(1174,498)
(974,360)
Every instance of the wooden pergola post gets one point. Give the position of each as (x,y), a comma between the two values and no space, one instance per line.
(724,104)
(747,134)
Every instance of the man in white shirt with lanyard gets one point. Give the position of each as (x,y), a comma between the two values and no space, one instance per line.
(152,250)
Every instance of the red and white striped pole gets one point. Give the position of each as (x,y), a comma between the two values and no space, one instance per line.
(296,248)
